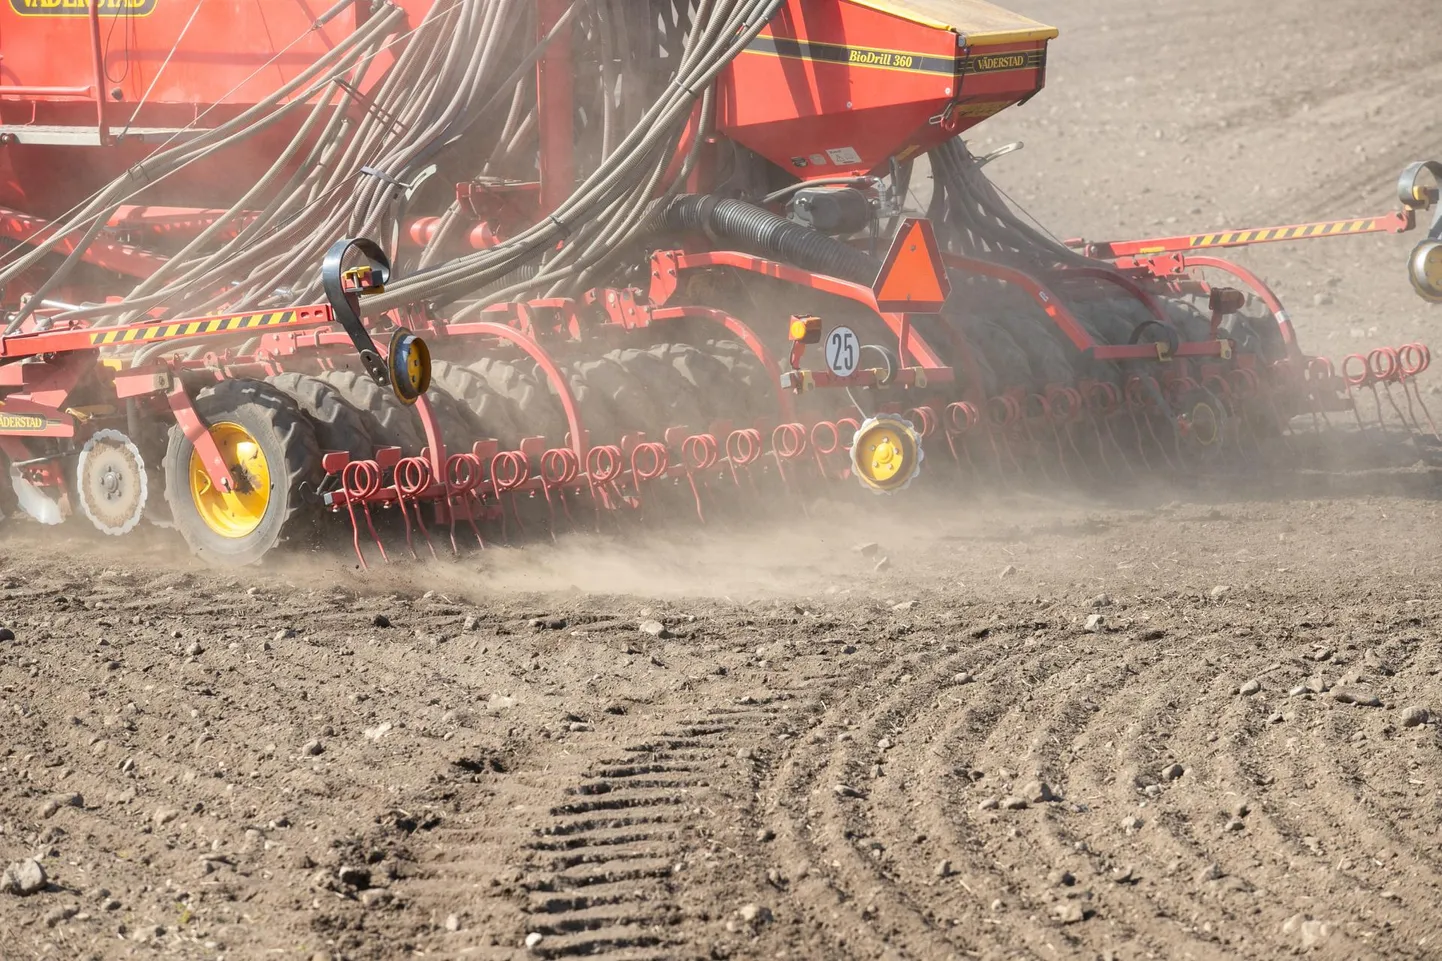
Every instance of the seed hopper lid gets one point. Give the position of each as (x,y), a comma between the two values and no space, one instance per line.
(979,23)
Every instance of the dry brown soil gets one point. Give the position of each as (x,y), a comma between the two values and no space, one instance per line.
(816,758)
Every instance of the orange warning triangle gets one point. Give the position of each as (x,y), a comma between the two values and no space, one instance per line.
(913,278)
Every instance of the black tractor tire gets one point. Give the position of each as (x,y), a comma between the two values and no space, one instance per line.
(709,378)
(338,425)
(286,439)
(616,400)
(538,411)
(670,392)
(489,413)
(751,384)
(391,423)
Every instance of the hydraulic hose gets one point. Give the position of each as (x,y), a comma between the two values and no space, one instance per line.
(759,231)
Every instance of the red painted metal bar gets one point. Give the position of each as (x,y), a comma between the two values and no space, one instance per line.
(97,56)
(1396,222)
(1050,303)
(121,258)
(1172,264)
(667,263)
(747,336)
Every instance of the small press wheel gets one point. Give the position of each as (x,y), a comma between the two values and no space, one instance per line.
(1202,422)
(271,450)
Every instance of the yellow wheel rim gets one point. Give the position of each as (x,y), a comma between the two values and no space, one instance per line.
(239,512)
(882,455)
(1204,424)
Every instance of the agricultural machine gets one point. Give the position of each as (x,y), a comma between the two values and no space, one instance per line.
(667,256)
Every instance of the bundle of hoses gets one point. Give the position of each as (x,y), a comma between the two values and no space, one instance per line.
(459,88)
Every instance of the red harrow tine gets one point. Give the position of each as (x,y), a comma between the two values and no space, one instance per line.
(463,476)
(660,461)
(360,480)
(603,465)
(559,468)
(412,479)
(509,471)
(961,419)
(743,448)
(699,452)
(1413,359)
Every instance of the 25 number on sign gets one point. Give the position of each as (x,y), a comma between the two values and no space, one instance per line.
(843,351)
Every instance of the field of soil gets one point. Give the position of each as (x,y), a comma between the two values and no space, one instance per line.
(1163,723)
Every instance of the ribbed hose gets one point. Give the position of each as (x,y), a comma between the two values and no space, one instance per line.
(759,231)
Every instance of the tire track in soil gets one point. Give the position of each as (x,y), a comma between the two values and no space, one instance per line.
(604,841)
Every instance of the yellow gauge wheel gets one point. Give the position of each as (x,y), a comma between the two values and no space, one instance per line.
(410,366)
(1425,268)
(1205,424)
(238,512)
(886,453)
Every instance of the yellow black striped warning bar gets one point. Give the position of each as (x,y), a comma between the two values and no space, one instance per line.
(1334,228)
(188,328)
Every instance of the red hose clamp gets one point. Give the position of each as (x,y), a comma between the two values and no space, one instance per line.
(923,418)
(788,441)
(961,417)
(660,458)
(1356,370)
(743,447)
(1413,359)
(1009,411)
(1383,364)
(559,466)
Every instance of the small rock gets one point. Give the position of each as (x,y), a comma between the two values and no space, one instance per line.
(1276,717)
(52,804)
(1070,912)
(164,816)
(380,620)
(1359,698)
(1124,875)
(354,876)
(284,634)
(1317,684)
(1061,878)
(194,649)
(1219,592)
(990,804)
(1250,688)
(1314,933)
(1013,803)
(963,678)
(1415,716)
(1235,824)
(943,868)
(312,748)
(904,606)
(1239,808)
(1131,825)
(470,624)
(1038,792)
(1095,623)
(1212,872)
(375,898)
(533,939)
(6,634)
(1172,771)
(63,913)
(846,790)
(764,835)
(1008,571)
(869,549)
(654,628)
(754,913)
(882,564)
(453,923)
(1100,601)
(377,732)
(23,878)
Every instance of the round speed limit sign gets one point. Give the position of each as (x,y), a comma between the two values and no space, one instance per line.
(843,351)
